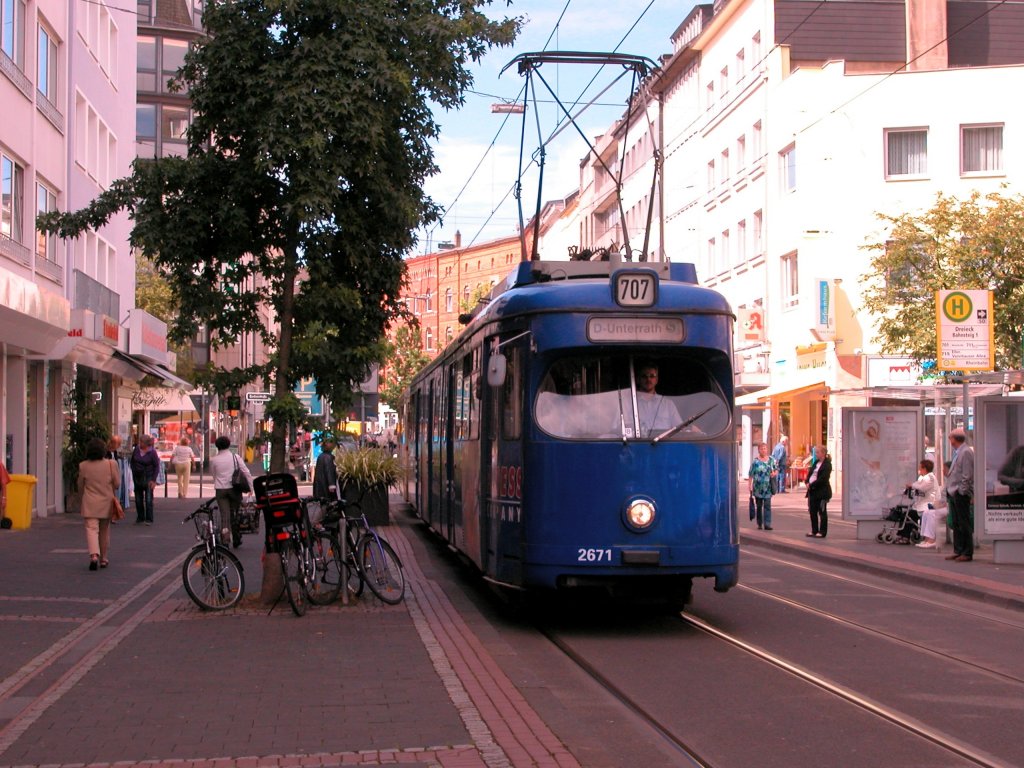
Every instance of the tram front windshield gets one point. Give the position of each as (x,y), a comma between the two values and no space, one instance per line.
(627,397)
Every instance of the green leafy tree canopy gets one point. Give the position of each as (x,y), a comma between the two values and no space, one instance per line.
(303,184)
(973,244)
(404,359)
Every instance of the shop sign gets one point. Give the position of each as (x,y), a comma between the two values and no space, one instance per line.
(824,310)
(147,337)
(750,324)
(811,356)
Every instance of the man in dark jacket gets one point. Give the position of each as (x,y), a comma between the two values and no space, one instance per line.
(325,474)
(819,491)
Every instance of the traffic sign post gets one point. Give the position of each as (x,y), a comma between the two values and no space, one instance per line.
(257,397)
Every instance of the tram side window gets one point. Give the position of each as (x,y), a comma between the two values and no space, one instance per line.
(511,396)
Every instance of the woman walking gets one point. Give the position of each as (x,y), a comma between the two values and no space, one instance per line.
(182,458)
(98,481)
(762,474)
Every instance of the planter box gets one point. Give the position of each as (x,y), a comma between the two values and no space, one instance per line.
(374,502)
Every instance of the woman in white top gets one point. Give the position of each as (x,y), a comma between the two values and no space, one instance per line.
(182,458)
(927,488)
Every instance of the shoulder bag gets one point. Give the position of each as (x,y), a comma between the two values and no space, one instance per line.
(239,482)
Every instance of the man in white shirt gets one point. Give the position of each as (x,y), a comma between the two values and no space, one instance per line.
(657,413)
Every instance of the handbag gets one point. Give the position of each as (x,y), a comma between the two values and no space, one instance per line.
(239,482)
(116,510)
(753,507)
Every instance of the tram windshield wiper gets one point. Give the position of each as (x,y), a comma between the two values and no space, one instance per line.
(681,426)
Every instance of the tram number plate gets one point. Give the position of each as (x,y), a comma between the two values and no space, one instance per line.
(636,289)
(593,555)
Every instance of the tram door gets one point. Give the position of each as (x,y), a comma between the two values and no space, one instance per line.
(501,528)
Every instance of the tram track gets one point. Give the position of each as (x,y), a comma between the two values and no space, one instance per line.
(963,750)
(675,742)
(896,592)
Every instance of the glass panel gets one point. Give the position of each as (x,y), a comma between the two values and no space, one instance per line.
(592,396)
(147,53)
(907,153)
(173,123)
(982,149)
(145,120)
(173,60)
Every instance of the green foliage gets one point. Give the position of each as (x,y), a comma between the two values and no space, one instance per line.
(482,291)
(976,243)
(306,200)
(368,467)
(87,420)
(403,360)
(286,409)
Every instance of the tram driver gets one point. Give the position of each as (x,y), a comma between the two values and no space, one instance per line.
(657,412)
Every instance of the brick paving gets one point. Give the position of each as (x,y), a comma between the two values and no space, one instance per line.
(117,668)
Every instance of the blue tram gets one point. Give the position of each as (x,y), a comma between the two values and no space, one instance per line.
(537,446)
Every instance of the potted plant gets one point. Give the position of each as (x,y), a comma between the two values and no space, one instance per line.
(365,475)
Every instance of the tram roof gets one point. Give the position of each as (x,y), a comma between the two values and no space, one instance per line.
(588,279)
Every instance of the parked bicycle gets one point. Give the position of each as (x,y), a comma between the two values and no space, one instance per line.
(368,560)
(294,543)
(212,575)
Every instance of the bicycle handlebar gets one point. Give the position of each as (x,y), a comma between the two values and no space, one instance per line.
(206,508)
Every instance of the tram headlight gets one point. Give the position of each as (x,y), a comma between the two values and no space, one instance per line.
(640,513)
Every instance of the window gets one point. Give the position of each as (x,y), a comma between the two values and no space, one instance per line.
(145,130)
(711,256)
(723,81)
(448,300)
(11,198)
(12,30)
(788,168)
(725,166)
(146,64)
(465,298)
(174,123)
(790,281)
(906,152)
(981,149)
(173,60)
(757,148)
(741,153)
(755,49)
(711,175)
(48,67)
(711,95)
(741,64)
(449,334)
(726,250)
(741,241)
(46,245)
(430,302)
(430,339)
(756,238)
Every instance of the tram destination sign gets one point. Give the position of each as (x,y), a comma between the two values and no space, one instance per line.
(625,329)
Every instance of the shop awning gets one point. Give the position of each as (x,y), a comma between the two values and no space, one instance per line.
(782,391)
(166,378)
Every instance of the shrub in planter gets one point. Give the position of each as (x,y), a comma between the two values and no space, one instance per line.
(365,476)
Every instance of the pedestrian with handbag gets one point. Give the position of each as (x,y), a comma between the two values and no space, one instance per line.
(228,475)
(762,474)
(98,481)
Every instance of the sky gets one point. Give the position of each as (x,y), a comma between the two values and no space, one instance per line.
(478,151)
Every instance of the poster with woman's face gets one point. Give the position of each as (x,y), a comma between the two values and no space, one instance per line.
(1000,470)
(882,448)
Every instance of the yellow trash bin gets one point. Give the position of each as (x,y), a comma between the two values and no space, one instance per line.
(19,500)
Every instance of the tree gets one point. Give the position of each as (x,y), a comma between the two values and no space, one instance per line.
(154,294)
(405,358)
(303,183)
(976,243)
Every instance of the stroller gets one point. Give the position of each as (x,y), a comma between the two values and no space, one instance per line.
(903,523)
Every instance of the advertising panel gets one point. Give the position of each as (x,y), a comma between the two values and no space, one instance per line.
(882,448)
(999,469)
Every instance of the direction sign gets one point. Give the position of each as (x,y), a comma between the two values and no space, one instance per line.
(257,397)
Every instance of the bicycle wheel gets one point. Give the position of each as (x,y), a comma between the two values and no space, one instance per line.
(294,576)
(213,580)
(381,569)
(326,581)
